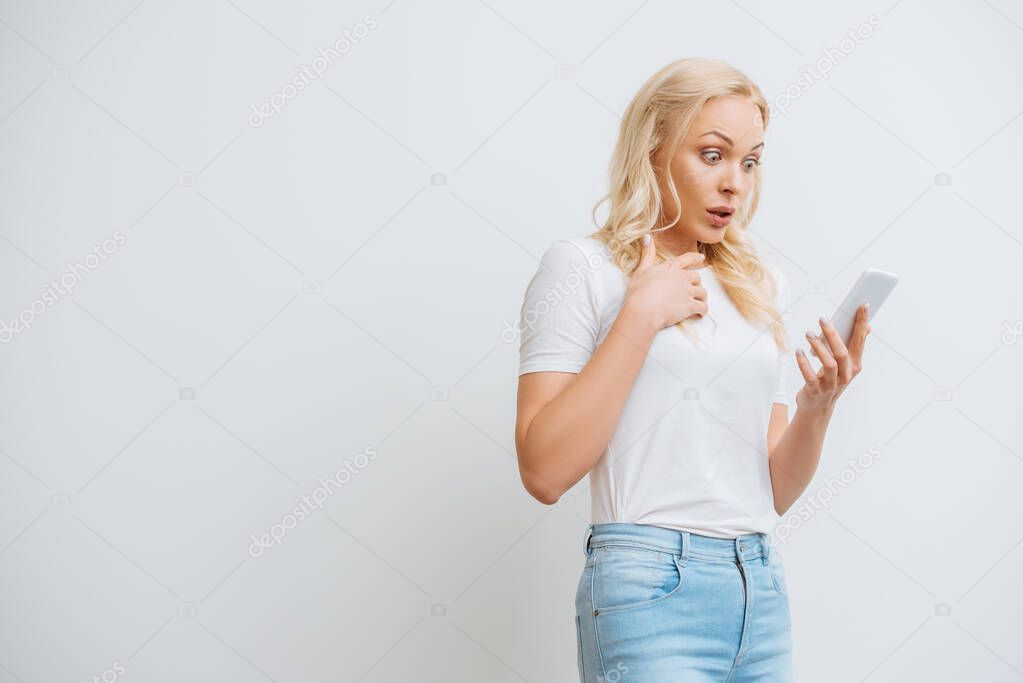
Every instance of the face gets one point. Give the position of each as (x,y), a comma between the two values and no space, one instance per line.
(713,168)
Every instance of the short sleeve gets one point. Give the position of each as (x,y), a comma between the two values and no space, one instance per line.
(782,302)
(559,321)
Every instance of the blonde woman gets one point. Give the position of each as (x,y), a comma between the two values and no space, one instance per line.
(653,358)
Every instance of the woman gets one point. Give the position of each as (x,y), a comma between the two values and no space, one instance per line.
(652,357)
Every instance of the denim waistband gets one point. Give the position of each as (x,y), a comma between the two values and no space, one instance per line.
(686,544)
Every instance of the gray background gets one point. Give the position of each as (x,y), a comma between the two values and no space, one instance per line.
(340,277)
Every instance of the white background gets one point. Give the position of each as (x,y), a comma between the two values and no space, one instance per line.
(340,277)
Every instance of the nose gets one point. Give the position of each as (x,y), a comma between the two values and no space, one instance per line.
(730,181)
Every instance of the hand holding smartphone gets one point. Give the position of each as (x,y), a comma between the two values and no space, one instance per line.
(872,287)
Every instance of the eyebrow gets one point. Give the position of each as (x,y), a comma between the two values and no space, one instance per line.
(726,138)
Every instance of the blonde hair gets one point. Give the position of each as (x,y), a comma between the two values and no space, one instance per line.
(660,116)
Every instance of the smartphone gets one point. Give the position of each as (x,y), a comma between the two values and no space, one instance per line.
(872,287)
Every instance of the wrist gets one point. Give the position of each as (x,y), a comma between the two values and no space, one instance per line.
(818,412)
(636,322)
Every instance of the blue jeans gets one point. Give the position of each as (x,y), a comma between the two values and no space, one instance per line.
(656,605)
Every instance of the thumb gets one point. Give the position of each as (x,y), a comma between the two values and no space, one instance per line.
(646,258)
(690,258)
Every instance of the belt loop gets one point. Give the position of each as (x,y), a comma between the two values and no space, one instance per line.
(686,542)
(586,539)
(765,545)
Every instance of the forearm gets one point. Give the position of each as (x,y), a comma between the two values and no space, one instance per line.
(794,459)
(568,435)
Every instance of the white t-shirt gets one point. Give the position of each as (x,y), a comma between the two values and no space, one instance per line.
(689,451)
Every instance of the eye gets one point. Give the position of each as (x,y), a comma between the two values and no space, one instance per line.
(751,163)
(714,152)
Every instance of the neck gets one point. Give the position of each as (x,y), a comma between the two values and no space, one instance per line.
(675,243)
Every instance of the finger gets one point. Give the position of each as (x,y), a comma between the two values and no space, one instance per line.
(829,368)
(690,258)
(838,351)
(646,257)
(809,375)
(859,335)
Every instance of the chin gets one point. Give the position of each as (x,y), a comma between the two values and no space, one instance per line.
(711,235)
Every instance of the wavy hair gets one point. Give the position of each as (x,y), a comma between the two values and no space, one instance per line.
(659,116)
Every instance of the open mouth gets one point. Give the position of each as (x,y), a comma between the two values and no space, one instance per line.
(720,216)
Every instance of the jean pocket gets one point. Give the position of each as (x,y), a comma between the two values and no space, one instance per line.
(777,574)
(628,577)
